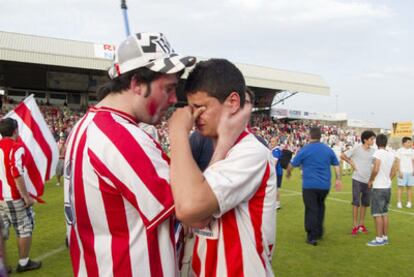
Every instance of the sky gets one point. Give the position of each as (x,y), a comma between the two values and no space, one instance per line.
(364,50)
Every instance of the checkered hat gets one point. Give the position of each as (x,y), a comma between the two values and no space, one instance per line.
(150,50)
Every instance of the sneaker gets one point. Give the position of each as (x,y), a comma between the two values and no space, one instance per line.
(355,231)
(57,184)
(31,265)
(375,242)
(399,205)
(362,229)
(385,241)
(409,205)
(278,206)
(313,242)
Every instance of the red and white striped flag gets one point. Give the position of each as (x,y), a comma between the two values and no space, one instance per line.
(41,149)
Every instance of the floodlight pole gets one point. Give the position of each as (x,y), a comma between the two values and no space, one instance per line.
(125,14)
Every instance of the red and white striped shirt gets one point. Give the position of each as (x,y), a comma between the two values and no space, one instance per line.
(239,241)
(118,200)
(11,166)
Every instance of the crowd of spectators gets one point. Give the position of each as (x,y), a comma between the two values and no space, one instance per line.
(291,135)
(295,133)
(59,118)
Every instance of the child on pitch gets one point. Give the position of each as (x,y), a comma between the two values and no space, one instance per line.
(405,156)
(383,171)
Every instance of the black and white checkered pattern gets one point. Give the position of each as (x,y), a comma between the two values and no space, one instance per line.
(150,50)
(15,213)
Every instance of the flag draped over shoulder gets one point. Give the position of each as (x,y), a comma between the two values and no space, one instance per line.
(41,151)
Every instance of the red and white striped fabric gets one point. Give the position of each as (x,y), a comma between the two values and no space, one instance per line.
(11,167)
(41,152)
(118,200)
(239,241)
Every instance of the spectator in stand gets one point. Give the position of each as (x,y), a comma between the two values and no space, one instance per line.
(360,157)
(405,156)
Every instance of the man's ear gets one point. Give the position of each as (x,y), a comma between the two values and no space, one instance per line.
(233,102)
(137,87)
(15,134)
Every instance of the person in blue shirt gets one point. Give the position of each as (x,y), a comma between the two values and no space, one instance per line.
(277,154)
(316,160)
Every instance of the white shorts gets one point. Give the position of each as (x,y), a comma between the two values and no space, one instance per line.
(407,180)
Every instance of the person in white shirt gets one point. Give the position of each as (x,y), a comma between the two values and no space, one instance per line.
(405,156)
(383,171)
(231,204)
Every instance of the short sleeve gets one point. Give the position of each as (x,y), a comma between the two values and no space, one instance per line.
(17,160)
(377,154)
(276,154)
(236,178)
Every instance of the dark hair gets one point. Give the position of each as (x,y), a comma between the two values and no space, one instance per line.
(315,133)
(367,134)
(8,126)
(251,94)
(381,140)
(122,82)
(405,139)
(218,78)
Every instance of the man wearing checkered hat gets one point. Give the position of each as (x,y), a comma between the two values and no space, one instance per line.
(118,200)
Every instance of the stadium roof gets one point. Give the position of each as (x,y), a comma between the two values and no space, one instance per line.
(87,55)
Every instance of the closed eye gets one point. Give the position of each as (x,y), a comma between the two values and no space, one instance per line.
(195,106)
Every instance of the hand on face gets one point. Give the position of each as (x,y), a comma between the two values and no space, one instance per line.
(232,124)
(183,119)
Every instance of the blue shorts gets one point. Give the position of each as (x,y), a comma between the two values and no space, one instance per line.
(407,180)
(380,199)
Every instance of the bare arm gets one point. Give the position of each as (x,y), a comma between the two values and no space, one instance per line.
(374,172)
(21,187)
(397,162)
(338,182)
(395,168)
(229,129)
(348,160)
(194,200)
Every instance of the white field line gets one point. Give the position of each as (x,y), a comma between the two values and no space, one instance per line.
(292,192)
(50,253)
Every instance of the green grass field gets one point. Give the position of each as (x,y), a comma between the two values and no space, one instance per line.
(338,254)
